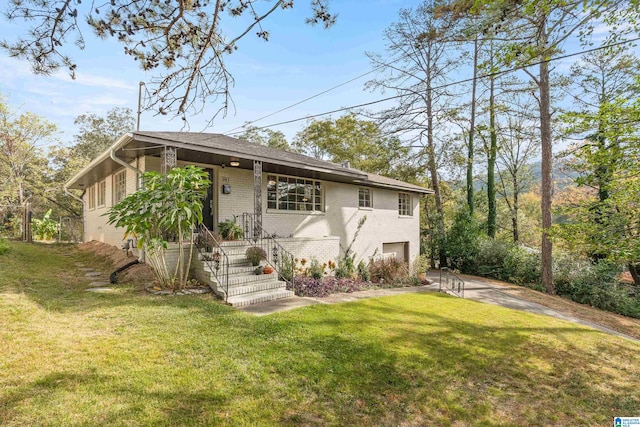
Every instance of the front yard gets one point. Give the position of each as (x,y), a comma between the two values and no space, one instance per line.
(70,357)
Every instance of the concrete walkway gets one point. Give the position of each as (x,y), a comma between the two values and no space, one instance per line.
(475,289)
(492,293)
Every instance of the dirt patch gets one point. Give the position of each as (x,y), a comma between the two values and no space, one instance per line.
(116,257)
(626,325)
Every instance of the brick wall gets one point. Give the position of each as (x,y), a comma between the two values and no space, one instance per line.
(338,222)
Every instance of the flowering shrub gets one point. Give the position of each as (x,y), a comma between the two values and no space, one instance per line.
(320,288)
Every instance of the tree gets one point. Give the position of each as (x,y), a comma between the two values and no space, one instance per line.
(23,166)
(359,142)
(543,27)
(518,147)
(606,226)
(422,43)
(187,40)
(97,133)
(268,137)
(167,204)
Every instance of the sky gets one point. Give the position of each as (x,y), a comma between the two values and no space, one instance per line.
(298,61)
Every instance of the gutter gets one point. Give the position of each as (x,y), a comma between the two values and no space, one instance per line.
(138,172)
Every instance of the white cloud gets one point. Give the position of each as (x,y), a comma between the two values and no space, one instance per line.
(93,80)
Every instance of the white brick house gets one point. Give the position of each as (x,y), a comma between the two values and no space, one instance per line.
(312,206)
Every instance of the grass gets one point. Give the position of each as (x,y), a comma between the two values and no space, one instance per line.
(70,357)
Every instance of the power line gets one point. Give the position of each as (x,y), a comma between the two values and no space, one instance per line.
(482,76)
(316,95)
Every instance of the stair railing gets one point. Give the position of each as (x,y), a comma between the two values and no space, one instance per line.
(278,257)
(214,257)
(452,281)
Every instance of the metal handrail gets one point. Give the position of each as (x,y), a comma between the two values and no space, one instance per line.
(277,255)
(451,281)
(217,260)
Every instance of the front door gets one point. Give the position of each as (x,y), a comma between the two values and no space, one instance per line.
(207,210)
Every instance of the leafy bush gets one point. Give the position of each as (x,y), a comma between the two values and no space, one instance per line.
(490,259)
(316,270)
(45,228)
(388,270)
(287,269)
(462,242)
(4,247)
(594,284)
(168,204)
(421,265)
(255,255)
(522,266)
(363,271)
(230,230)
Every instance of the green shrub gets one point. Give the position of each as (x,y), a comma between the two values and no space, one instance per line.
(462,242)
(421,265)
(255,255)
(4,247)
(316,270)
(342,272)
(363,271)
(490,259)
(230,230)
(287,268)
(388,270)
(594,284)
(522,266)
(45,228)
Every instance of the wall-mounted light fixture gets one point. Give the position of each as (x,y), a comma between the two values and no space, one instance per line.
(234,162)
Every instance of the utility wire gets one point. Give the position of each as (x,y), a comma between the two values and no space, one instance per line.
(482,76)
(316,95)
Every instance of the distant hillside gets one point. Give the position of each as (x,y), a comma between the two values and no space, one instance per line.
(561,175)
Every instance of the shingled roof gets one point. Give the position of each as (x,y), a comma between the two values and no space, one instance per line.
(249,150)
(193,145)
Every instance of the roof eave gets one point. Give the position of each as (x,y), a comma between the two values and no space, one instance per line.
(123,140)
(233,153)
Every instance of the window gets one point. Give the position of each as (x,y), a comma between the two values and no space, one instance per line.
(102,193)
(119,186)
(404,204)
(91,196)
(364,197)
(288,193)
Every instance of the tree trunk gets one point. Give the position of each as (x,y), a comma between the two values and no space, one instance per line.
(633,269)
(491,163)
(547,161)
(433,170)
(514,213)
(472,125)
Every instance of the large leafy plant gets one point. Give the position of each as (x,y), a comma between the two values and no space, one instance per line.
(166,205)
(45,228)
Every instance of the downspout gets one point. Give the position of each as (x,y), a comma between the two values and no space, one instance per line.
(138,173)
(135,170)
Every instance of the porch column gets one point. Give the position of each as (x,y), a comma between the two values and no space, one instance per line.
(169,159)
(257,192)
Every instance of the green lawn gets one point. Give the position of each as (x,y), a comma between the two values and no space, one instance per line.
(69,357)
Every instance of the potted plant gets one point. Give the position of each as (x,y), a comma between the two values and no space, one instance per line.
(230,230)
(255,255)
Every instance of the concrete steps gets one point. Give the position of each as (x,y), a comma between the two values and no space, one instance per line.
(245,287)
